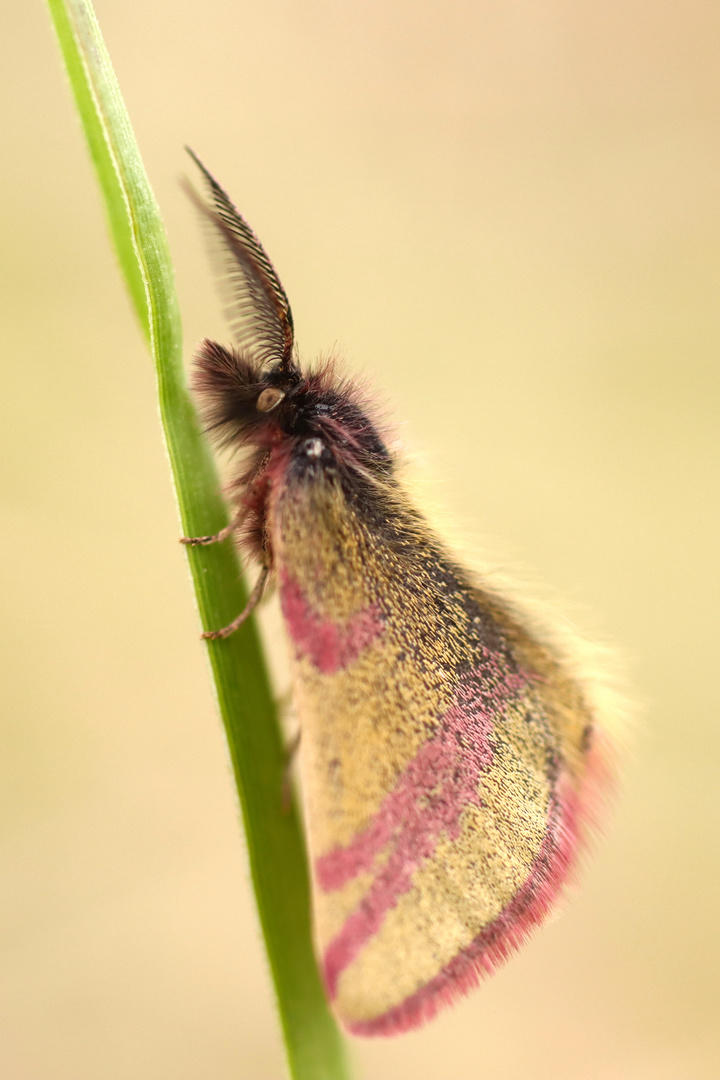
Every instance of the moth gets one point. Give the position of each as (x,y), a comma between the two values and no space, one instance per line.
(451,759)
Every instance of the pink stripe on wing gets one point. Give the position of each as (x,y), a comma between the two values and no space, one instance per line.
(425,805)
(572,814)
(331,646)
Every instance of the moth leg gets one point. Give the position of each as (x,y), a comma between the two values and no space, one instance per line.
(235,522)
(253,601)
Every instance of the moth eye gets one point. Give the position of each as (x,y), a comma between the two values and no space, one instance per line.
(313,447)
(269,398)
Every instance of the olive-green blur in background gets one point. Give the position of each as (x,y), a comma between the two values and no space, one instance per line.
(506,215)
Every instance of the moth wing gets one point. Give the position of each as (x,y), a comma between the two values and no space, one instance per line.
(444,770)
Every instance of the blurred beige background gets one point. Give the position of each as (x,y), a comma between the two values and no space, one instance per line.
(507,214)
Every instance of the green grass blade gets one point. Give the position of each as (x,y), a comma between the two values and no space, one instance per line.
(274,837)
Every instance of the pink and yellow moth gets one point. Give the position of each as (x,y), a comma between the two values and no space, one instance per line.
(451,759)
